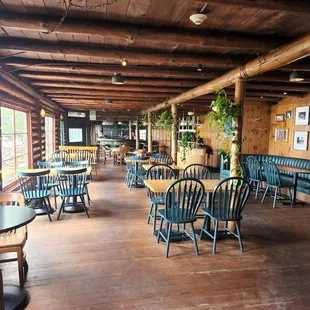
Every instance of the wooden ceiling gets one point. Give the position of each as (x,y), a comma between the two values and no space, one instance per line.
(72,63)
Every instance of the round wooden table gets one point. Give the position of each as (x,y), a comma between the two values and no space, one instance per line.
(13,217)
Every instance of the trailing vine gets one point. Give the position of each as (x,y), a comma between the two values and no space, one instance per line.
(165,120)
(225,113)
(186,144)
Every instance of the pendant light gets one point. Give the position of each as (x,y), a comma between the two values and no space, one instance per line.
(296,76)
(117,79)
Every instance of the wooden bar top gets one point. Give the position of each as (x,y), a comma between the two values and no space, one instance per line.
(160,186)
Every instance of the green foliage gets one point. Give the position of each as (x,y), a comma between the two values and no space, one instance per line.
(186,144)
(225,112)
(165,120)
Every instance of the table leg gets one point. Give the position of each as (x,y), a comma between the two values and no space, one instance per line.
(13,296)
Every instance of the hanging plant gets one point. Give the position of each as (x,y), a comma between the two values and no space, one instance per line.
(165,120)
(186,144)
(223,116)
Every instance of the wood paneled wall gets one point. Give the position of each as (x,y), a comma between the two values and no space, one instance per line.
(287,148)
(163,138)
(255,131)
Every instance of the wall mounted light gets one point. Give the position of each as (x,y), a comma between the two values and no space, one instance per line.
(199,68)
(61,116)
(42,113)
(117,79)
(296,76)
(124,62)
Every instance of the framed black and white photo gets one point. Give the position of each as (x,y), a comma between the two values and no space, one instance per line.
(280,118)
(301,140)
(302,116)
(288,114)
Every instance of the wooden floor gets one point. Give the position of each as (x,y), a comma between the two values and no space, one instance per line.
(112,261)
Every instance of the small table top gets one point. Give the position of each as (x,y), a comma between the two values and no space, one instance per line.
(174,167)
(293,169)
(13,217)
(53,170)
(160,186)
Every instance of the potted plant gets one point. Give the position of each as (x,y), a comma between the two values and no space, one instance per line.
(165,120)
(186,144)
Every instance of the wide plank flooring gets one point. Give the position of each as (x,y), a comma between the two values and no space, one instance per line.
(112,260)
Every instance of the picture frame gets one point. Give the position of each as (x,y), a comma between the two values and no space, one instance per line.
(301,140)
(289,114)
(281,135)
(302,116)
(280,118)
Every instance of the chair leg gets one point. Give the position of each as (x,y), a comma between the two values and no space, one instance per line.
(215,236)
(290,190)
(88,197)
(256,191)
(264,196)
(160,228)
(55,198)
(84,205)
(26,267)
(48,208)
(154,219)
(168,240)
(20,261)
(150,213)
(275,198)
(203,226)
(61,208)
(194,239)
(239,235)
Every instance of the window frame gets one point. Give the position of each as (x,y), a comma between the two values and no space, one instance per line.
(53,135)
(29,141)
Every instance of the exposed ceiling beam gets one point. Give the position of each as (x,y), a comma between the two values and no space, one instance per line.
(275,59)
(297,6)
(136,33)
(106,71)
(101,54)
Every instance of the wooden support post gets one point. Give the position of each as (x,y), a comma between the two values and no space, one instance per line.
(174,132)
(130,130)
(240,90)
(149,133)
(137,135)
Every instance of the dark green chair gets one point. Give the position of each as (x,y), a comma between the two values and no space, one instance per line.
(182,200)
(157,172)
(35,187)
(72,184)
(273,180)
(163,158)
(228,200)
(254,173)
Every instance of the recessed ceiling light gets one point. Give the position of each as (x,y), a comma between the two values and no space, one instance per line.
(262,97)
(120,123)
(128,110)
(190,113)
(285,93)
(124,62)
(296,76)
(117,79)
(199,68)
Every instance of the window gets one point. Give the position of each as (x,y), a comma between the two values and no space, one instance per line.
(75,135)
(15,143)
(49,137)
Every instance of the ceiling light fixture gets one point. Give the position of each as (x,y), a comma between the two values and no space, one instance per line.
(199,68)
(42,113)
(117,79)
(296,76)
(199,17)
(119,123)
(190,113)
(124,62)
(285,93)
(109,101)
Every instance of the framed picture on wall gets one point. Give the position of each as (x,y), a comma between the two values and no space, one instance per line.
(302,116)
(280,118)
(301,140)
(281,135)
(289,114)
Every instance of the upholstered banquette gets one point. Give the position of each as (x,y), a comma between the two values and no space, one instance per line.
(303,183)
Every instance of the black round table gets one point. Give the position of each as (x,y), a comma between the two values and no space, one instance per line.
(13,217)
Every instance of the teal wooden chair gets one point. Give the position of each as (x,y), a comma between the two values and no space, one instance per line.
(72,184)
(53,179)
(60,155)
(163,158)
(228,201)
(35,188)
(182,200)
(254,173)
(157,172)
(273,180)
